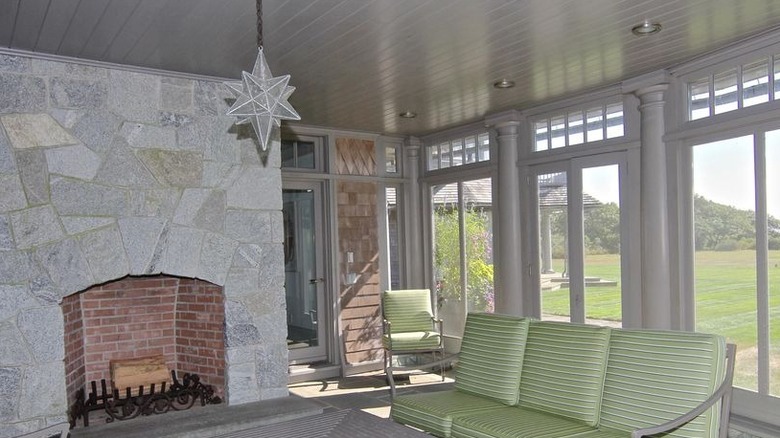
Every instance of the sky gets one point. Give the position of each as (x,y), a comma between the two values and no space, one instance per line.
(723,172)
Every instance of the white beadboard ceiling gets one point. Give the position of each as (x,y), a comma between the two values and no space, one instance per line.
(356,64)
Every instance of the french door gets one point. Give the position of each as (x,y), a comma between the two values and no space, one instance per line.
(578,264)
(305,284)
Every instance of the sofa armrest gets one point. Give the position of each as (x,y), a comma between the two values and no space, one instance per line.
(425,366)
(723,392)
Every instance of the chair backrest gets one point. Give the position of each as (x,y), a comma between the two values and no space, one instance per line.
(491,356)
(667,374)
(563,369)
(408,310)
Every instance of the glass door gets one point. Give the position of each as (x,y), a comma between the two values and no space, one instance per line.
(578,239)
(304,271)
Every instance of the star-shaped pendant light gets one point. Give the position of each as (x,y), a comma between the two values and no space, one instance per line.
(261,99)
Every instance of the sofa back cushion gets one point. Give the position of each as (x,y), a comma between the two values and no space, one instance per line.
(655,376)
(563,369)
(491,356)
(408,310)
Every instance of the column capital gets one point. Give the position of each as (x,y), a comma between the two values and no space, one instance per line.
(653,93)
(506,119)
(412,146)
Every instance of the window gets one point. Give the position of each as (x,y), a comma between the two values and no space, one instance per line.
(579,127)
(733,88)
(302,153)
(459,152)
(737,252)
(462,225)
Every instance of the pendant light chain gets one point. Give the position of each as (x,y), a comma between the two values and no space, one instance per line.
(260,23)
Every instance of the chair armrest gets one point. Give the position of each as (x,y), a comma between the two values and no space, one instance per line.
(425,366)
(723,392)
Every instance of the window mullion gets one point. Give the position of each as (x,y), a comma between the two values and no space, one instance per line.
(462,245)
(762,264)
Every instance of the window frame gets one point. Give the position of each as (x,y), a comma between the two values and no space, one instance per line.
(320,158)
(753,120)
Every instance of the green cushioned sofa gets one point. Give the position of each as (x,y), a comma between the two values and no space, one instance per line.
(518,378)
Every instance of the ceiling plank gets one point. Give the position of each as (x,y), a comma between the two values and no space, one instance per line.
(88,14)
(8,11)
(28,24)
(55,24)
(107,31)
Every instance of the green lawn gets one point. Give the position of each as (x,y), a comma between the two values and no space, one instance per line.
(725,303)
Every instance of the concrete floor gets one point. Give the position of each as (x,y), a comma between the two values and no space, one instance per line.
(367,392)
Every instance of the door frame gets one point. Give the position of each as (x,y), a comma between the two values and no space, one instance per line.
(324,351)
(630,262)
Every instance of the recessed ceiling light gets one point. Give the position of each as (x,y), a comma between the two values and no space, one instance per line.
(408,114)
(646,28)
(503,83)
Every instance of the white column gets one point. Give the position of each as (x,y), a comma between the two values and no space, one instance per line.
(412,208)
(656,286)
(508,260)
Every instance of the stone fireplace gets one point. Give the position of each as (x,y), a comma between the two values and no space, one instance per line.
(105,174)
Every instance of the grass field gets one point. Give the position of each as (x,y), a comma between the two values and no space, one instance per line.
(725,304)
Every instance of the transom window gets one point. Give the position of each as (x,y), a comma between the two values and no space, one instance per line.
(734,88)
(458,152)
(579,127)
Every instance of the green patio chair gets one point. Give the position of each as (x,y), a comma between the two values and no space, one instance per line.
(410,326)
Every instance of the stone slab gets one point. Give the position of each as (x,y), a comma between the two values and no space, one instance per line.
(43,379)
(42,329)
(11,384)
(80,198)
(77,93)
(35,226)
(7,163)
(15,64)
(122,168)
(216,258)
(202,208)
(35,130)
(14,267)
(79,224)
(6,239)
(244,194)
(75,161)
(207,422)
(174,168)
(11,193)
(22,93)
(66,265)
(182,252)
(140,236)
(12,347)
(134,96)
(154,202)
(247,226)
(14,299)
(143,136)
(105,254)
(96,130)
(176,97)
(68,69)
(35,175)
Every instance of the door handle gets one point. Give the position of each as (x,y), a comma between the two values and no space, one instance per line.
(316,280)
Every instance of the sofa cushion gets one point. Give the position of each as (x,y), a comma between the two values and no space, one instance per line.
(412,341)
(515,422)
(655,376)
(433,412)
(563,369)
(491,356)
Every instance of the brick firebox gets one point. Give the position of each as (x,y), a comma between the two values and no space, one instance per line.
(180,318)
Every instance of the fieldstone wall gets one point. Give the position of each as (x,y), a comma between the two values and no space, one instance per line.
(106,173)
